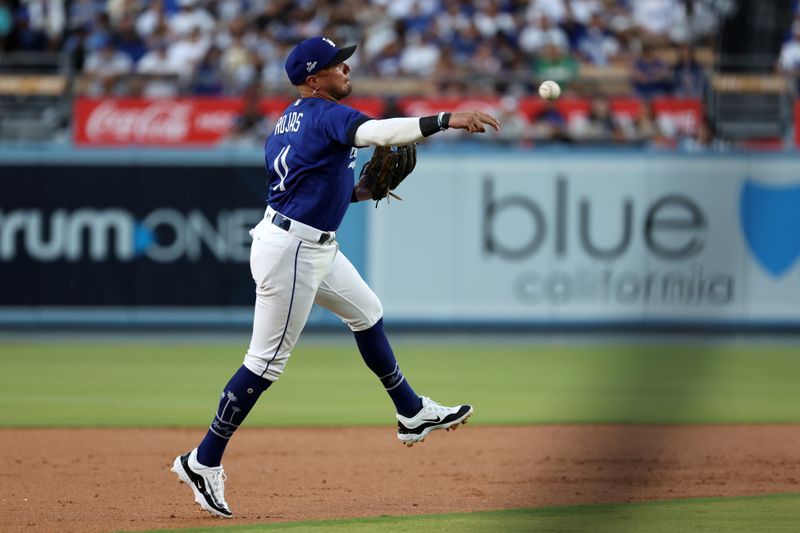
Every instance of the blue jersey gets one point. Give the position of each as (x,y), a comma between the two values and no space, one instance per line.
(311,161)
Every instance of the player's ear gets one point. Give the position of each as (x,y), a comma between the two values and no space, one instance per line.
(312,83)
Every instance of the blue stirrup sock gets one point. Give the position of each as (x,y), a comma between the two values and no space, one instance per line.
(238,398)
(378,355)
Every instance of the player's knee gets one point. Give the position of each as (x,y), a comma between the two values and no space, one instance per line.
(368,316)
(268,368)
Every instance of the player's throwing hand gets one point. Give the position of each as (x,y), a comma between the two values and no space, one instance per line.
(473,121)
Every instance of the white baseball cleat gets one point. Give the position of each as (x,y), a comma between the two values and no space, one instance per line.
(432,416)
(207,483)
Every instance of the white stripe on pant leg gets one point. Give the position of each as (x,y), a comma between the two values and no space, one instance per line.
(346,294)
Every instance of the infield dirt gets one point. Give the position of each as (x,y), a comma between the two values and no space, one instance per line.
(98,480)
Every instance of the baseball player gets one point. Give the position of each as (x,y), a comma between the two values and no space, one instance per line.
(295,260)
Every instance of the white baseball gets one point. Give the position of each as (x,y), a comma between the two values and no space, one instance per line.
(549,90)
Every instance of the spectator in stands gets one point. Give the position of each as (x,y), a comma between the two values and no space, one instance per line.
(249,127)
(694,22)
(598,46)
(582,11)
(159,72)
(127,40)
(189,50)
(491,20)
(555,64)
(485,62)
(554,10)
(573,29)
(688,76)
(273,74)
(542,33)
(600,126)
(100,31)
(451,20)
(119,10)
(419,55)
(106,68)
(647,131)
(189,18)
(386,63)
(238,63)
(549,124)
(228,10)
(81,13)
(701,141)
(151,18)
(209,79)
(789,61)
(651,76)
(25,36)
(516,127)
(465,42)
(417,21)
(655,19)
(47,17)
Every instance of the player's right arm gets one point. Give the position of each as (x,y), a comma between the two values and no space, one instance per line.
(407,130)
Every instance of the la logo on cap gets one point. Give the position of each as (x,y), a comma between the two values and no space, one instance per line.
(310,65)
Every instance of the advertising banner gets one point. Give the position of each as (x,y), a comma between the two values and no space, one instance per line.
(118,244)
(182,122)
(173,122)
(127,236)
(566,238)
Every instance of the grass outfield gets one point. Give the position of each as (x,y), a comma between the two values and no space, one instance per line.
(102,384)
(733,515)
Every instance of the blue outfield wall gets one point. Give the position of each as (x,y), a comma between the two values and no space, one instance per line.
(135,237)
(522,239)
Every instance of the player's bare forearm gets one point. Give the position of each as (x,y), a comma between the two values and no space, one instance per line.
(361,193)
(473,121)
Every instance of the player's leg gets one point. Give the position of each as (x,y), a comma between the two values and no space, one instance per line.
(287,272)
(344,292)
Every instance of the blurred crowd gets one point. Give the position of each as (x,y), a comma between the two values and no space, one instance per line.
(500,46)
(164,48)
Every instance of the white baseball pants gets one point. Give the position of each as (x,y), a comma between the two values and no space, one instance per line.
(292,271)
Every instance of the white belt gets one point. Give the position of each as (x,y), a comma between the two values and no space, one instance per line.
(304,232)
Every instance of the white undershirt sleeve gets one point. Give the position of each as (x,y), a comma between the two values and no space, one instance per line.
(389,131)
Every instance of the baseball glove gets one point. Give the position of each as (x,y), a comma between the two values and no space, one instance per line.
(386,169)
(406,161)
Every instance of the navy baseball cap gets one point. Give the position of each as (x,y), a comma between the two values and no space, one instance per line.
(313,55)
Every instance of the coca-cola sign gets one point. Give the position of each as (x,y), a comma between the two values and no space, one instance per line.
(175,122)
(154,122)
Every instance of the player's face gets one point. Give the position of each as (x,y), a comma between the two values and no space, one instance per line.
(335,80)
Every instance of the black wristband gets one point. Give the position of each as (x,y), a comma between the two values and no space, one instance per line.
(434,123)
(429,125)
